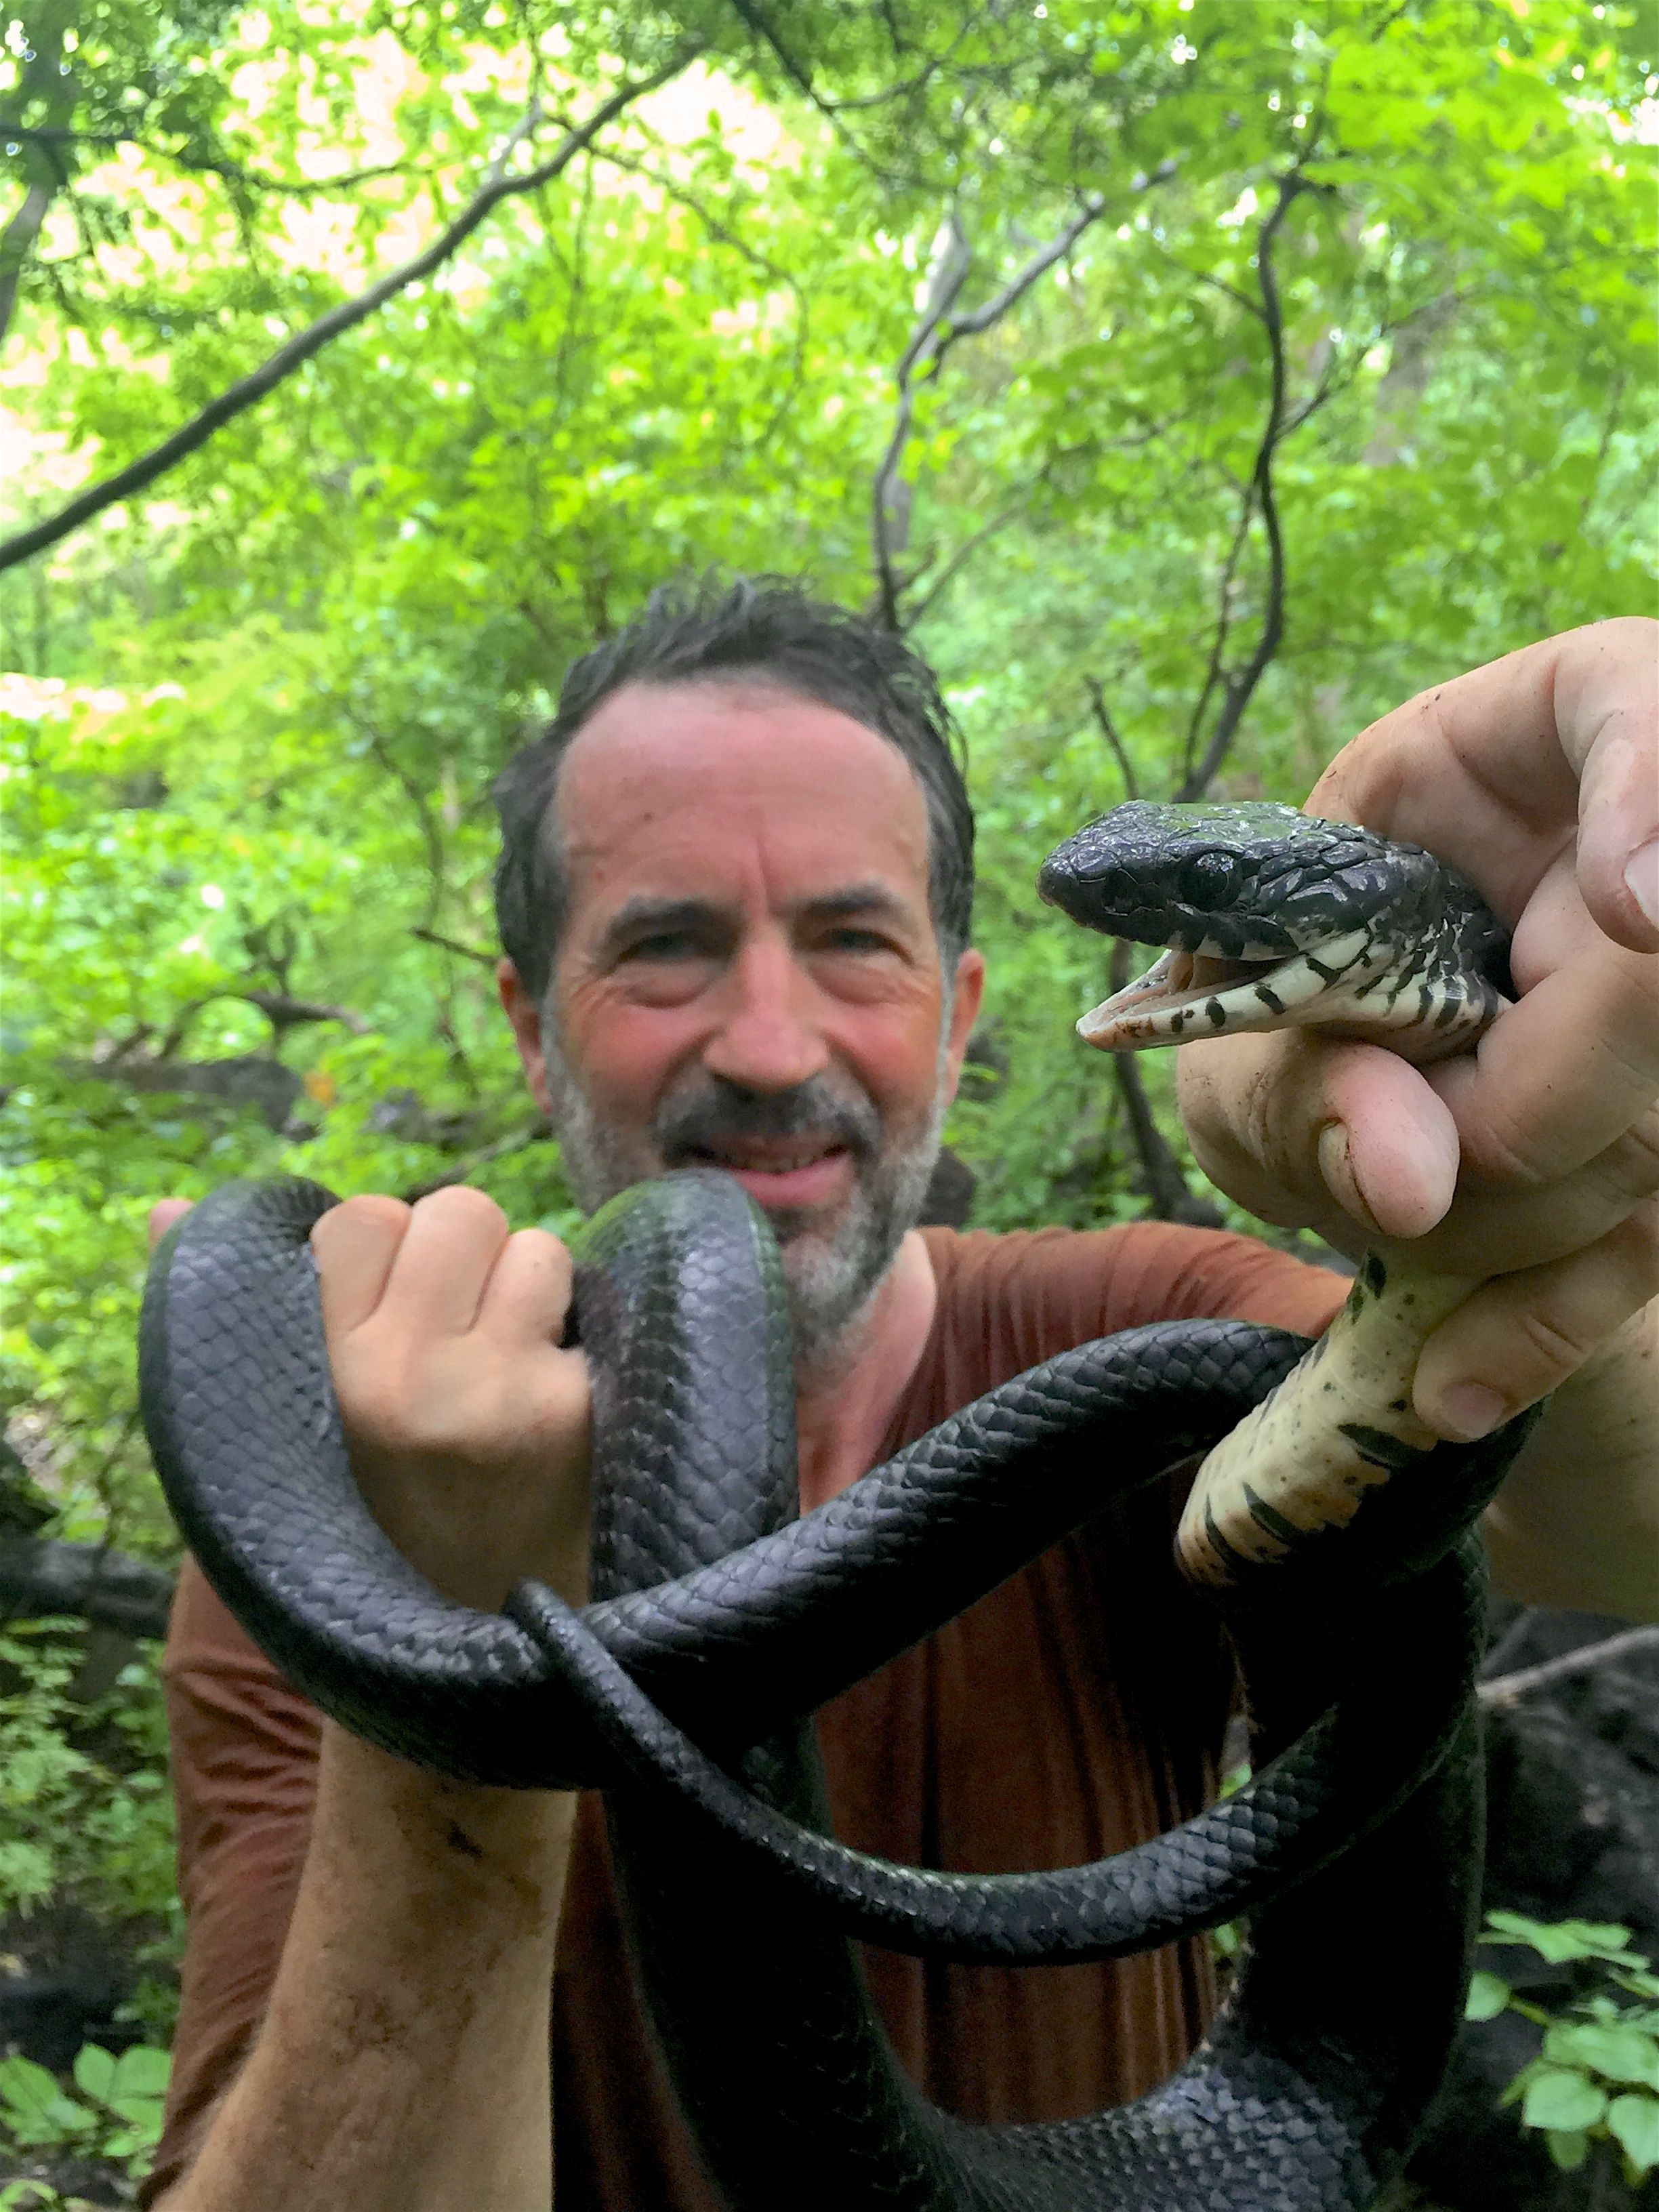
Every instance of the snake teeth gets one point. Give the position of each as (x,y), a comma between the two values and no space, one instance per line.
(1187,994)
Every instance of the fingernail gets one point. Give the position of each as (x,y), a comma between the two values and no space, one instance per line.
(1642,874)
(1470,1410)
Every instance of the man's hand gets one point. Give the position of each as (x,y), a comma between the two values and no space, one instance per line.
(467,1425)
(1537,1156)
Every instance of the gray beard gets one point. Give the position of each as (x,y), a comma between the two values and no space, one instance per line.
(831,1273)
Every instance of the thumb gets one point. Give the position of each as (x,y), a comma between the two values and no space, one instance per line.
(163,1214)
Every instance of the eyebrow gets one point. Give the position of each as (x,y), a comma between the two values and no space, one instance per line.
(645,916)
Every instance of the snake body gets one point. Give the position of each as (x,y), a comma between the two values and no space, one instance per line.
(719,1622)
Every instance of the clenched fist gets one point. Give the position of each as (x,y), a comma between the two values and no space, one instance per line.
(467,1425)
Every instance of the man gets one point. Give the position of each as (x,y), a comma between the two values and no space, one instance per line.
(734,894)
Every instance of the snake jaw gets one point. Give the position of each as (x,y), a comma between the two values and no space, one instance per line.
(1194,995)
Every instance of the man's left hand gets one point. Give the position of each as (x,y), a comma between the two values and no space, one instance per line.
(1533,1159)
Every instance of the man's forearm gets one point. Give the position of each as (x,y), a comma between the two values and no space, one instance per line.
(403,2062)
(1577,1522)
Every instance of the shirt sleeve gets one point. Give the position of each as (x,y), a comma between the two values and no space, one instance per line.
(1161,1271)
(244,1747)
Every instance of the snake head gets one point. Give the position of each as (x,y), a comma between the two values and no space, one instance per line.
(1273,918)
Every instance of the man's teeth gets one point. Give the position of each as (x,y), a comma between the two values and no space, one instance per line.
(772,1166)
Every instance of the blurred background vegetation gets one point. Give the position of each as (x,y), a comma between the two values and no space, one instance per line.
(1191,380)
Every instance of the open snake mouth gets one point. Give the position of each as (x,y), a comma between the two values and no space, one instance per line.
(1197,994)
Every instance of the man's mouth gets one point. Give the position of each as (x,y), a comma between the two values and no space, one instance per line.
(795,1171)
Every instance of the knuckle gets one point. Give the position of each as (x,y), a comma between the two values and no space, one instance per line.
(460,1203)
(1557,1347)
(543,1246)
(1635,1248)
(377,1211)
(1501,1154)
(1634,1159)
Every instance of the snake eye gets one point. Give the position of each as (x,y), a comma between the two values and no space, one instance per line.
(1210,880)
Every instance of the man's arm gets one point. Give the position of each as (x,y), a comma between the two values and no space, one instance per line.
(1534,1160)
(402,2065)
(403,2058)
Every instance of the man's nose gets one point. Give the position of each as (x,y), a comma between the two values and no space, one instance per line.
(767,1037)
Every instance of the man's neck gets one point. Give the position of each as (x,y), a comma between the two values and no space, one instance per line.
(844,1410)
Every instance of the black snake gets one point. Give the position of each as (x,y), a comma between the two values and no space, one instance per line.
(720,1622)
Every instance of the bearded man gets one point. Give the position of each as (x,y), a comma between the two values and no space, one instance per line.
(734,896)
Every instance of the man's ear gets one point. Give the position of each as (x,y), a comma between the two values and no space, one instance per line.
(522,1011)
(964,1012)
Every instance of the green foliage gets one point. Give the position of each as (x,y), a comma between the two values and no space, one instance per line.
(118,2115)
(84,1808)
(1596,2078)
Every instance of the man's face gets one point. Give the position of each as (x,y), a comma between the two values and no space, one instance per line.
(748,976)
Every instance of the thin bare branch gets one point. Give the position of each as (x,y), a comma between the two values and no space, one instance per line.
(517,1141)
(284,1012)
(45,77)
(1239,689)
(206,165)
(969,326)
(475,952)
(801,78)
(1505,1689)
(1125,767)
(951,268)
(940,583)
(938,329)
(499,186)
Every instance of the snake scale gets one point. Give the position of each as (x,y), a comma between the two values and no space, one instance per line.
(720,1622)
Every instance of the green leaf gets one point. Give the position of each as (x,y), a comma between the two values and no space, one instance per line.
(27,2091)
(1556,2098)
(1561,1940)
(94,2071)
(1633,2124)
(1488,1995)
(144,2071)
(1567,2147)
(1620,2052)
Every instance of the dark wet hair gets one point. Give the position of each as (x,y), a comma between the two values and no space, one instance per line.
(764,628)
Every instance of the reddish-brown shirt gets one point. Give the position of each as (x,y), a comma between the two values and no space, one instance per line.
(1071,1713)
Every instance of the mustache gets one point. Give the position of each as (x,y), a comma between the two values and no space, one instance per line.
(716,1114)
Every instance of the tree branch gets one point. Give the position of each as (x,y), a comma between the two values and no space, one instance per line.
(1504,1689)
(800,77)
(206,164)
(951,268)
(939,329)
(450,944)
(533,1133)
(43,77)
(283,1012)
(956,561)
(1125,767)
(1238,690)
(40,1576)
(244,394)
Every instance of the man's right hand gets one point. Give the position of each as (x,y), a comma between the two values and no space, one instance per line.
(468,1427)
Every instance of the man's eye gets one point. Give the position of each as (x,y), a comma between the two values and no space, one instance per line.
(856,940)
(664,945)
